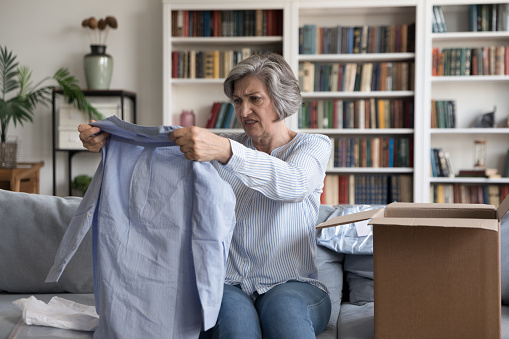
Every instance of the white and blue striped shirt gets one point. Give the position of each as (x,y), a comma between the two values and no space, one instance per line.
(278,197)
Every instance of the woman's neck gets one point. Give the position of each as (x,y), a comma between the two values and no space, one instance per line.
(280,136)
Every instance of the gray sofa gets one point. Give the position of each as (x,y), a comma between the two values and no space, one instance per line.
(32,226)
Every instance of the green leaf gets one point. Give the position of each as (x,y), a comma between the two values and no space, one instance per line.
(15,82)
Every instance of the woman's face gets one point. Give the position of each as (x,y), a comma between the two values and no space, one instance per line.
(254,108)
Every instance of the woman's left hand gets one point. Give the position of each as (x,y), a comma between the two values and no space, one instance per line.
(202,145)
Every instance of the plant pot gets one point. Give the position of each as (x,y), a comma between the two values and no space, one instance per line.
(8,154)
(98,68)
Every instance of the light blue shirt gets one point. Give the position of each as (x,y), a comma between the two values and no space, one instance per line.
(278,197)
(162,227)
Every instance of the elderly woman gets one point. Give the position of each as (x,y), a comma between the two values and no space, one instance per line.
(271,287)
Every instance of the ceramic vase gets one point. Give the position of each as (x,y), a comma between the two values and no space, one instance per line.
(98,68)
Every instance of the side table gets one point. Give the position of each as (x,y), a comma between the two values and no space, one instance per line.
(23,178)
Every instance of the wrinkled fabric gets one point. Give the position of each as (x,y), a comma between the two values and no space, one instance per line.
(345,238)
(59,313)
(162,227)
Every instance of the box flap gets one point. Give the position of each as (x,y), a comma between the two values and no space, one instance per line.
(487,224)
(503,208)
(440,210)
(349,218)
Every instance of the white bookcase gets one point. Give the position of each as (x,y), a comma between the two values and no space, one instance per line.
(199,94)
(473,95)
(358,14)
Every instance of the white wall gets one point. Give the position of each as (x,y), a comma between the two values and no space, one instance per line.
(46,35)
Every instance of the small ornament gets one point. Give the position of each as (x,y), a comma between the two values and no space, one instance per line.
(187,118)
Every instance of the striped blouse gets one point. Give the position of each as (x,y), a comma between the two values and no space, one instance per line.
(278,197)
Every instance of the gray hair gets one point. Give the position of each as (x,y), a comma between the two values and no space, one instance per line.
(273,70)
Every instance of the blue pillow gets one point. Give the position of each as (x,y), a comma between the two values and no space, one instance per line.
(32,227)
(359,276)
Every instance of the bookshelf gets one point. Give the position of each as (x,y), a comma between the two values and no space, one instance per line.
(357,126)
(474,94)
(247,28)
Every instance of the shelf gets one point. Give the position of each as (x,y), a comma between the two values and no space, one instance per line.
(226,130)
(469,36)
(462,180)
(187,81)
(213,41)
(356,57)
(353,95)
(372,170)
(359,131)
(469,78)
(120,95)
(469,131)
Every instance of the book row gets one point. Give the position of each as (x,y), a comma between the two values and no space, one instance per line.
(488,17)
(366,189)
(443,113)
(350,77)
(487,60)
(371,152)
(469,193)
(394,38)
(227,23)
(441,165)
(212,64)
(359,113)
(222,115)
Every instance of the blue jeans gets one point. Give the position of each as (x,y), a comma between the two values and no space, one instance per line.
(290,310)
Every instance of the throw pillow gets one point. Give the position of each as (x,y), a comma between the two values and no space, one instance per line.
(32,227)
(359,277)
(330,269)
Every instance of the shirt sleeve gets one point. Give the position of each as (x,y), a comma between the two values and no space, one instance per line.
(290,180)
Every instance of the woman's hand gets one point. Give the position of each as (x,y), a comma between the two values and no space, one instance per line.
(91,141)
(202,145)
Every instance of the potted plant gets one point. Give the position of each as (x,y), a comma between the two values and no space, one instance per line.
(19,98)
(80,184)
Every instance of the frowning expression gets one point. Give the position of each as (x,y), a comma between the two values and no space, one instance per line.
(254,108)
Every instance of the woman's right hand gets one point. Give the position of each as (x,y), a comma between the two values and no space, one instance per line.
(90,138)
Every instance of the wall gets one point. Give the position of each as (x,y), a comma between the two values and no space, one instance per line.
(47,35)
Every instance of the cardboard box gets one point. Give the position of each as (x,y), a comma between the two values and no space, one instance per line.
(436,269)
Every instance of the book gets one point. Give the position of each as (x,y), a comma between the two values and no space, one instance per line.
(221,114)
(208,57)
(229,118)
(506,166)
(308,77)
(214,110)
(479,172)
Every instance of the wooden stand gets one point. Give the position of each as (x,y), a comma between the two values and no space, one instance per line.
(23,178)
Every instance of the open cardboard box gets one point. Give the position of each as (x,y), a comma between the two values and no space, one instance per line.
(436,269)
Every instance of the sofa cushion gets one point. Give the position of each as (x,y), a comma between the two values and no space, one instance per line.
(357,322)
(32,227)
(330,272)
(359,276)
